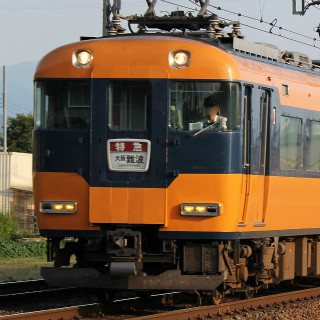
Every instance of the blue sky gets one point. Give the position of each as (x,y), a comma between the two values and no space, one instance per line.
(31,28)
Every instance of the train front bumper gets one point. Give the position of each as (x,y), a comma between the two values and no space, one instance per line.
(91,278)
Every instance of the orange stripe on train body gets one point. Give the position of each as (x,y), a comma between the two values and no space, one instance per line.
(57,186)
(162,206)
(127,205)
(282,208)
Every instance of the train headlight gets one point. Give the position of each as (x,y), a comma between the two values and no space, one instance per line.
(82,58)
(201,209)
(179,59)
(58,207)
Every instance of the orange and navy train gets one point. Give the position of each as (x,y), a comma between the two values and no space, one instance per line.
(132,179)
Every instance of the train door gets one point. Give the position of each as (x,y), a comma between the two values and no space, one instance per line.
(263,156)
(128,151)
(246,165)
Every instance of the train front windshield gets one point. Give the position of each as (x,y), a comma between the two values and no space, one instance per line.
(62,104)
(129,105)
(191,101)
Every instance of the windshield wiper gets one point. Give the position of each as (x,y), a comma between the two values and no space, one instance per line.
(206,128)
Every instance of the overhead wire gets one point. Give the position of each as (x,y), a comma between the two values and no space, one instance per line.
(50,5)
(13,108)
(315,7)
(261,21)
(272,25)
(261,7)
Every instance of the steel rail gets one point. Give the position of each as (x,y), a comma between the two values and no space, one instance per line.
(19,286)
(57,314)
(211,312)
(205,312)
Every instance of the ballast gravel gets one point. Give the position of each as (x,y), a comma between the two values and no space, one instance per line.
(299,310)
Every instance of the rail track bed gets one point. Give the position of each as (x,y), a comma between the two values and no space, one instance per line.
(22,286)
(29,300)
(301,304)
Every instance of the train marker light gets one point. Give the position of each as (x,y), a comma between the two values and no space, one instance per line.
(201,209)
(82,58)
(179,59)
(188,208)
(69,206)
(58,207)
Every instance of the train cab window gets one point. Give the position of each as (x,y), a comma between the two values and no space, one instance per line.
(313,145)
(61,104)
(195,105)
(285,89)
(129,105)
(290,143)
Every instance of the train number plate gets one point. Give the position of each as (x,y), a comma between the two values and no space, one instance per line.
(129,154)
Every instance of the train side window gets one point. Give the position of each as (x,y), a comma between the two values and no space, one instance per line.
(285,89)
(313,145)
(290,143)
(264,121)
(247,127)
(195,105)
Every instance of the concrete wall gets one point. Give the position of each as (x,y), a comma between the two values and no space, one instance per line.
(15,173)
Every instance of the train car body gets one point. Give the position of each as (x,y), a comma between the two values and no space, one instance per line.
(147,197)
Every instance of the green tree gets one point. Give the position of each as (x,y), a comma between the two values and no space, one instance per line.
(19,133)
(8,227)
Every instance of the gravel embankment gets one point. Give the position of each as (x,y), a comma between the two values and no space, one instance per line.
(299,310)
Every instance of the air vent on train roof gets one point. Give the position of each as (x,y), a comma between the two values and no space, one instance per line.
(297,59)
(261,50)
(271,52)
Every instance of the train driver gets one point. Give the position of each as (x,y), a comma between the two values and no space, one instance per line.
(213,117)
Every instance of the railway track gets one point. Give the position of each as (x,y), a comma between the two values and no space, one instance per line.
(27,296)
(22,298)
(22,286)
(230,309)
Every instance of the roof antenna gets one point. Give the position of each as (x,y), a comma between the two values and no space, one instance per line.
(150,11)
(318,29)
(204,5)
(111,27)
(116,7)
(106,16)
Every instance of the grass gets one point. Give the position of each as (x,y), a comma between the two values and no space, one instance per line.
(17,269)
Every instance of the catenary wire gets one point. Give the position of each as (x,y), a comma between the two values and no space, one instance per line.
(271,25)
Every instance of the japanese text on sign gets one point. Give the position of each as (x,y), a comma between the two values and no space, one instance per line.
(128,154)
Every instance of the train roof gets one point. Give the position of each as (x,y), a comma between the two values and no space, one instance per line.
(207,28)
(146,56)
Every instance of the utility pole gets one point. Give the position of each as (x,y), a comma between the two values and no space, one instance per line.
(4,102)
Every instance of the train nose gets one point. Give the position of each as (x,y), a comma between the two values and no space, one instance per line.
(127,205)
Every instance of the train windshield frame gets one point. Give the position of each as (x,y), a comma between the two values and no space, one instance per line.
(190,102)
(62,104)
